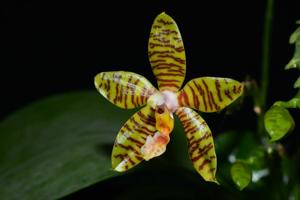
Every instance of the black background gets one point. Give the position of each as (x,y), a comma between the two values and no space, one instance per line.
(57,47)
(51,48)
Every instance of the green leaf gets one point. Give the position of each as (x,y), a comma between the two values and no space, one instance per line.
(293,103)
(295,61)
(278,122)
(295,36)
(297,83)
(241,174)
(57,146)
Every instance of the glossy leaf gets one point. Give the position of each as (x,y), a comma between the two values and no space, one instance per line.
(210,94)
(132,136)
(295,61)
(124,89)
(166,53)
(241,174)
(57,146)
(200,141)
(278,122)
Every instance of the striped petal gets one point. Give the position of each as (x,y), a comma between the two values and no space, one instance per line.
(130,139)
(200,141)
(124,89)
(209,94)
(166,53)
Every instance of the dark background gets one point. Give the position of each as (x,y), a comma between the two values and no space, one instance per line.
(51,48)
(54,48)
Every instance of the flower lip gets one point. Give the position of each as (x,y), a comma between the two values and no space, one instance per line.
(155,145)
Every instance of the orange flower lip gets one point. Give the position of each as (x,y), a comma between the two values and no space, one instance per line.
(164,119)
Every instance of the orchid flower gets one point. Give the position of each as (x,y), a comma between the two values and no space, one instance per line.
(146,134)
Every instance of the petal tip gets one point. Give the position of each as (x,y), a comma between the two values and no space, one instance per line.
(97,79)
(214,180)
(162,13)
(117,170)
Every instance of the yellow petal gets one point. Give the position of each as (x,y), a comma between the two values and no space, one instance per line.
(131,138)
(200,141)
(124,89)
(209,94)
(166,53)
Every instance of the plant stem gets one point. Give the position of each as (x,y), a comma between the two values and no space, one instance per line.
(265,62)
